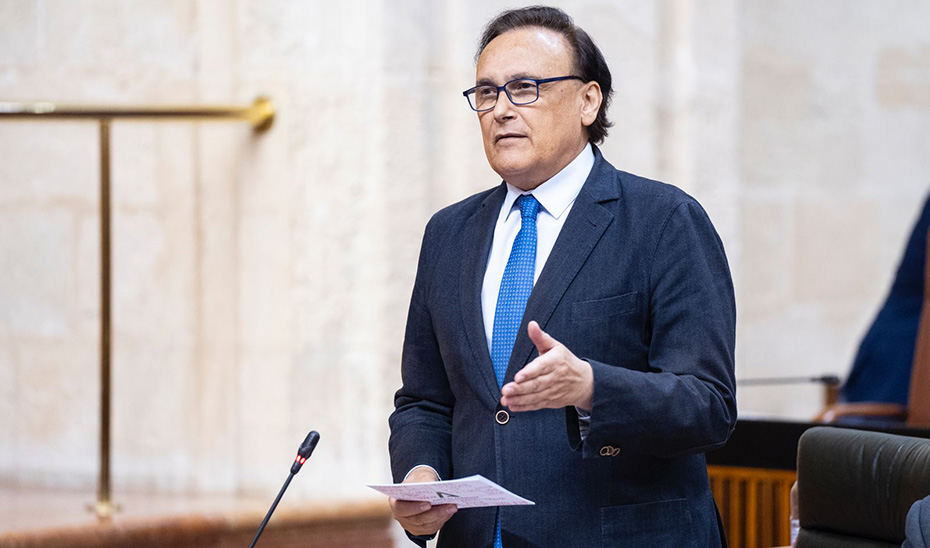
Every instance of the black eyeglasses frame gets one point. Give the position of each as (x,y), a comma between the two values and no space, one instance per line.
(471,91)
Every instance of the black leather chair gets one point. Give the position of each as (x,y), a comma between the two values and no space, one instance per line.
(856,487)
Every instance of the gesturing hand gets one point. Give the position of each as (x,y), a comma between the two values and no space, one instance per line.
(419,518)
(556,378)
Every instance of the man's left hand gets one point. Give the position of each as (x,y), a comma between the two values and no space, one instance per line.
(555,379)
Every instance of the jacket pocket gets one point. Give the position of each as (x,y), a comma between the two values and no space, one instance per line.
(609,330)
(663,524)
(604,308)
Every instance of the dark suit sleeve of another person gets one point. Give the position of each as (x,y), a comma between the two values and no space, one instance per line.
(682,401)
(421,424)
(917,527)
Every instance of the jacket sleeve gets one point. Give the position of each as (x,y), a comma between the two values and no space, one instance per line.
(917,526)
(421,424)
(684,401)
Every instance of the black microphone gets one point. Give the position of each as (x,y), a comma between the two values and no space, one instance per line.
(303,453)
(306,448)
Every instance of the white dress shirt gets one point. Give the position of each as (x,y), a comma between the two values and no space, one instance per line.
(556,196)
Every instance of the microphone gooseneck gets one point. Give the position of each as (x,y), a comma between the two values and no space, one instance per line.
(303,453)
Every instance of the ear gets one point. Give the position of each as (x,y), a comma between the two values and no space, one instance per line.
(591,97)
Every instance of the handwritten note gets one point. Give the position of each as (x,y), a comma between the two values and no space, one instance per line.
(470,492)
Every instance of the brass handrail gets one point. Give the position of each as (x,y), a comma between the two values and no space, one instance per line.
(260,114)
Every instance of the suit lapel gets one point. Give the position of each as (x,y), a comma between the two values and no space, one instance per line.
(585,225)
(477,238)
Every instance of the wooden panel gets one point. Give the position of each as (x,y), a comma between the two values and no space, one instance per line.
(735,507)
(752,509)
(337,525)
(754,504)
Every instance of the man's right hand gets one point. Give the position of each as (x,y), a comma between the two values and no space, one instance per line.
(417,517)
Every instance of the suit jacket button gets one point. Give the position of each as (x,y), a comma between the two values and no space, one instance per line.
(502,417)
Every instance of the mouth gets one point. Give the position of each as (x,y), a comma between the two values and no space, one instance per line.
(508,137)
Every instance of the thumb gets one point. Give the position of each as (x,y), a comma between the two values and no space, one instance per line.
(543,341)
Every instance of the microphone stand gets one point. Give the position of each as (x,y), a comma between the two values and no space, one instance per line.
(831,384)
(303,453)
(271,510)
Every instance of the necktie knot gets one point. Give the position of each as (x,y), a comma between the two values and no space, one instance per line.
(529,206)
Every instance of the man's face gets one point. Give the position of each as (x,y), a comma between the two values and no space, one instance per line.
(528,144)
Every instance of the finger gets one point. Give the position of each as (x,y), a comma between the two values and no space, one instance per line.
(535,377)
(526,386)
(547,392)
(433,515)
(420,511)
(543,341)
(542,365)
(426,528)
(535,402)
(542,385)
(422,530)
(407,508)
(437,515)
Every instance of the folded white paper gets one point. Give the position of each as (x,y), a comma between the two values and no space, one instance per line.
(470,492)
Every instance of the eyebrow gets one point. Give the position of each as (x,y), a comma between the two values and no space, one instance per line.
(517,76)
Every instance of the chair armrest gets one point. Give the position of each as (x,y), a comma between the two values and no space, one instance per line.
(863,409)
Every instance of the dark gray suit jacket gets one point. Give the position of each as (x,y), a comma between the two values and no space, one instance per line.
(918,525)
(638,285)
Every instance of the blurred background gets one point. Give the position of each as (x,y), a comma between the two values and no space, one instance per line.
(261,281)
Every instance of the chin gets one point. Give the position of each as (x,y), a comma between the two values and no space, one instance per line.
(511,166)
(511,174)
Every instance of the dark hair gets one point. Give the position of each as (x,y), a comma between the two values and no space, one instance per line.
(588,59)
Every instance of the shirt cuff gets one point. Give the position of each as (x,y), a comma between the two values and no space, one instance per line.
(584,422)
(438,477)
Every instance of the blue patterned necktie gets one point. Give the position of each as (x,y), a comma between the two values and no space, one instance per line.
(516,286)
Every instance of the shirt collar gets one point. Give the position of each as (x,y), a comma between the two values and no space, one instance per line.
(556,194)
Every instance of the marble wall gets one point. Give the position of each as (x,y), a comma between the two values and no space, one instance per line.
(261,281)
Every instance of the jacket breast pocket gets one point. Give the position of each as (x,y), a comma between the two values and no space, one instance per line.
(608,330)
(649,525)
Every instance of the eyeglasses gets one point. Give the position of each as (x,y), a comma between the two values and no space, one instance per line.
(521,91)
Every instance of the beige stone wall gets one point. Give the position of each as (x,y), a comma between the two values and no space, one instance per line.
(835,136)
(261,282)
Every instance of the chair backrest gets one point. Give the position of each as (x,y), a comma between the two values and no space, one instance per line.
(918,402)
(856,487)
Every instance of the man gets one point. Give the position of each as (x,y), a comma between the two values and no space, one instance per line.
(571,331)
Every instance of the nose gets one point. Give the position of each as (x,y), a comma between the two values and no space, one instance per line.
(504,108)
